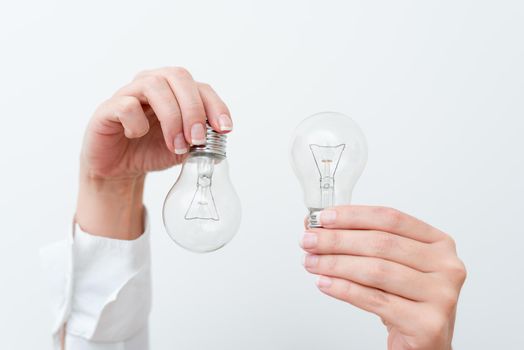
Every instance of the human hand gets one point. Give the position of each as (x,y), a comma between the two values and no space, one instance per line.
(393,265)
(147,125)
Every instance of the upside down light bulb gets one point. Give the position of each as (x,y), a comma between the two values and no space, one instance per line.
(328,155)
(202,211)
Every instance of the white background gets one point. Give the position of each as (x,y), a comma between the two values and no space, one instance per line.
(437,87)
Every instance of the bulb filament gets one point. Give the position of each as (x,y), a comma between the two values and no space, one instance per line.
(202,205)
(326,159)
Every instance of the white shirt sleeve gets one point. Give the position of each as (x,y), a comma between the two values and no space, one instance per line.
(100,291)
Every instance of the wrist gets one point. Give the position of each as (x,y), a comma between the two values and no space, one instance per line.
(111,207)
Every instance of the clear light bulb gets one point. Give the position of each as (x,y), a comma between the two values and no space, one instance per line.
(328,155)
(202,210)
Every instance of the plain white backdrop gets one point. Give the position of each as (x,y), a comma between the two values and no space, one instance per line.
(437,87)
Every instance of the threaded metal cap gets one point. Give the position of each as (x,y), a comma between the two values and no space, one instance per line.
(215,143)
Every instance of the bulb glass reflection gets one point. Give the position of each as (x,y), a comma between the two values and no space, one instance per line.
(202,210)
(328,155)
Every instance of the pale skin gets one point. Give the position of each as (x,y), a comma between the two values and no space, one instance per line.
(378,259)
(393,265)
(146,125)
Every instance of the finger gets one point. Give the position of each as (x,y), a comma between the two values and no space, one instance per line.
(395,310)
(124,112)
(217,112)
(371,243)
(191,106)
(155,91)
(379,218)
(376,273)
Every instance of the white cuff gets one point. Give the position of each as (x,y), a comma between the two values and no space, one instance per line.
(100,287)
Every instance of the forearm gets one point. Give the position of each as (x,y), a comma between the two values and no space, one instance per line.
(111,207)
(107,260)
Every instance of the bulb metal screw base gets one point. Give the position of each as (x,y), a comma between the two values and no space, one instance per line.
(215,144)
(314,219)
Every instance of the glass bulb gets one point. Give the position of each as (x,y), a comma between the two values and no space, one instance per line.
(328,155)
(202,210)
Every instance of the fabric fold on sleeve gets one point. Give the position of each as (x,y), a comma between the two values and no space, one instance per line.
(100,289)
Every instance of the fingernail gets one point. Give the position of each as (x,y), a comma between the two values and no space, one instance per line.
(198,134)
(309,240)
(324,282)
(180,144)
(225,123)
(328,217)
(310,260)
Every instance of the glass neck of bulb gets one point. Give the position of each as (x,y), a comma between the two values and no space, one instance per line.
(215,144)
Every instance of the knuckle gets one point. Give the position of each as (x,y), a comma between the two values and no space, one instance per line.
(457,270)
(193,109)
(377,272)
(175,115)
(382,244)
(392,217)
(180,72)
(104,106)
(378,299)
(347,291)
(448,297)
(152,82)
(205,86)
(132,133)
(335,241)
(449,242)
(128,105)
(332,263)
(462,272)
